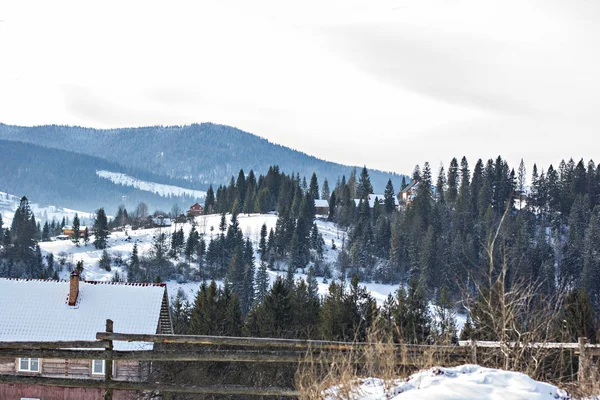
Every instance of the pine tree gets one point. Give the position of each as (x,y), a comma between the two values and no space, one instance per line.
(209,202)
(86,236)
(325,194)
(76,227)
(452,180)
(101,229)
(364,187)
(388,196)
(313,189)
(105,261)
(262,282)
(180,313)
(262,246)
(133,271)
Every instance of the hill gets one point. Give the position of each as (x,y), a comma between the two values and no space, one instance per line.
(202,154)
(57,177)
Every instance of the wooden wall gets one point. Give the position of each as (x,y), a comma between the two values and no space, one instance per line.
(59,368)
(10,392)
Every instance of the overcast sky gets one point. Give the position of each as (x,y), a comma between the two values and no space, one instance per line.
(385,83)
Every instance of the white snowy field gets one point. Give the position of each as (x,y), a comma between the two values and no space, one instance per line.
(157,188)
(9,203)
(466,382)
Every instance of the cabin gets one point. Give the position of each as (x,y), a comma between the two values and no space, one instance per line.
(195,211)
(322,208)
(50,310)
(68,230)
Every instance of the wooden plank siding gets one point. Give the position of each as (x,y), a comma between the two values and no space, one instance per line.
(126,370)
(10,392)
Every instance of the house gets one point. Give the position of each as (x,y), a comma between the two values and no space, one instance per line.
(322,208)
(161,220)
(407,195)
(68,230)
(41,310)
(195,210)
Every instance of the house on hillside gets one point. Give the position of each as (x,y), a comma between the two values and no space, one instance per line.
(322,208)
(49,311)
(68,230)
(161,221)
(407,195)
(195,210)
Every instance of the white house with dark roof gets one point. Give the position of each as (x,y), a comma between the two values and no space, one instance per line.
(42,310)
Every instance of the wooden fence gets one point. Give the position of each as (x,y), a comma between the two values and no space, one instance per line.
(238,349)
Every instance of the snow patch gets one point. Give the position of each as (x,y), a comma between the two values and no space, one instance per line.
(157,188)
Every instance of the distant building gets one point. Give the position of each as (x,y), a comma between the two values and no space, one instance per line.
(161,220)
(68,230)
(195,210)
(322,208)
(407,194)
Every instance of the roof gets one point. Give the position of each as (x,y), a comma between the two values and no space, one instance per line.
(37,310)
(321,203)
(411,185)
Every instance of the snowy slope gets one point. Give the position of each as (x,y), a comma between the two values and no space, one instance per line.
(250,225)
(467,382)
(9,203)
(157,188)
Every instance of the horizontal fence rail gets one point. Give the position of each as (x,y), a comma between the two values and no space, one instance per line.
(233,350)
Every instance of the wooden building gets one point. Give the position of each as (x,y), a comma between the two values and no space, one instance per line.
(322,208)
(195,211)
(39,310)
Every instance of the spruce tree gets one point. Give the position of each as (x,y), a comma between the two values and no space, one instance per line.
(101,229)
(452,181)
(209,201)
(364,187)
(325,190)
(105,261)
(313,189)
(262,246)
(262,282)
(76,227)
(388,196)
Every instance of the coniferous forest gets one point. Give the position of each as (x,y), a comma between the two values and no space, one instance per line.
(466,233)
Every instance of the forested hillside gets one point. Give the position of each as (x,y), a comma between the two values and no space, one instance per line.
(201,153)
(68,179)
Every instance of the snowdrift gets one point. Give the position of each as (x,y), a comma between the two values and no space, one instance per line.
(467,382)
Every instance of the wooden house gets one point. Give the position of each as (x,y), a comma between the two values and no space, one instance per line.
(322,208)
(40,310)
(195,210)
(407,195)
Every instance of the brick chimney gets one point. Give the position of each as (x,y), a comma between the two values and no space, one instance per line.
(74,287)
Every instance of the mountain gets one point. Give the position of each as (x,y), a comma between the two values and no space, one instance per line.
(67,179)
(197,155)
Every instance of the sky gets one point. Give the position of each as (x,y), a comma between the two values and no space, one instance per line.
(388,84)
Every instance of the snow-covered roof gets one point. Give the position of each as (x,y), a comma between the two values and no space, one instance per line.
(38,310)
(321,203)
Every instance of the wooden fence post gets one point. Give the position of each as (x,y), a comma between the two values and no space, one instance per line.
(108,364)
(473,351)
(583,362)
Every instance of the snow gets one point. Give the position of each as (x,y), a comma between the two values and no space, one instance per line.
(121,244)
(157,188)
(38,310)
(466,382)
(9,203)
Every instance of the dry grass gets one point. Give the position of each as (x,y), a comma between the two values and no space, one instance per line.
(380,358)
